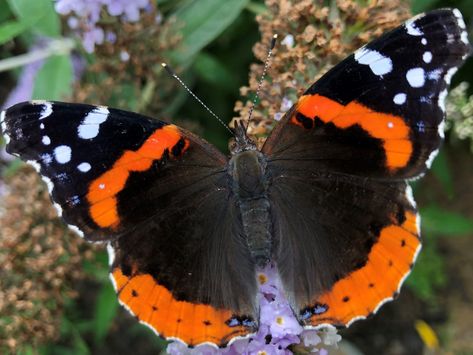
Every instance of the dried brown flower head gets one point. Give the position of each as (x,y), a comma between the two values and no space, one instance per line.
(312,38)
(126,71)
(40,262)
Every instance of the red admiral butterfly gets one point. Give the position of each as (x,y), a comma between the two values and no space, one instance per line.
(326,198)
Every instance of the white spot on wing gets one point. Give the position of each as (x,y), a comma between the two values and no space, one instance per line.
(441,129)
(459,16)
(464,37)
(378,63)
(390,125)
(49,183)
(41,126)
(35,165)
(442,96)
(101,186)
(89,128)
(46,158)
(46,140)
(423,41)
(400,98)
(412,28)
(62,154)
(451,72)
(430,159)
(410,196)
(416,77)
(74,200)
(111,254)
(434,74)
(76,229)
(46,110)
(84,167)
(112,279)
(58,208)
(427,57)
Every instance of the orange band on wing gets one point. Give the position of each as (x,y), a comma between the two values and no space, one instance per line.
(392,130)
(192,323)
(103,191)
(364,290)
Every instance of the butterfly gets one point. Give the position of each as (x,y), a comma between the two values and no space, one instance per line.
(326,199)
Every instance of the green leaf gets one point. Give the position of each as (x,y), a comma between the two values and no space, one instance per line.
(79,345)
(209,69)
(54,79)
(6,12)
(422,5)
(105,311)
(12,168)
(428,274)
(257,8)
(200,22)
(39,12)
(438,221)
(441,170)
(13,28)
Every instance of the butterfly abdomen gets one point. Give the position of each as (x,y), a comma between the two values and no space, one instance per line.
(250,184)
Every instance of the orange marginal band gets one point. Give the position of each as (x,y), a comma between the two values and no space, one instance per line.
(102,194)
(364,290)
(392,130)
(192,323)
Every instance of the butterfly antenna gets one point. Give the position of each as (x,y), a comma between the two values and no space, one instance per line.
(265,69)
(174,75)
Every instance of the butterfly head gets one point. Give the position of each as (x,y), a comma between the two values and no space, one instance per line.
(241,142)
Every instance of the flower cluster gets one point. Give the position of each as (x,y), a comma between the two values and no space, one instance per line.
(313,38)
(85,16)
(279,331)
(460,113)
(40,264)
(127,63)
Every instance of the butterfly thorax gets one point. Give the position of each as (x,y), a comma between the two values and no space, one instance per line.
(250,185)
(241,142)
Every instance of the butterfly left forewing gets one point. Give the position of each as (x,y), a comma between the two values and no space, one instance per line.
(160,197)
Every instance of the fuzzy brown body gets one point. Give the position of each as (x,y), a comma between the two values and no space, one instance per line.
(250,185)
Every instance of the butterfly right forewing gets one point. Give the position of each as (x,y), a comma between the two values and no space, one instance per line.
(345,223)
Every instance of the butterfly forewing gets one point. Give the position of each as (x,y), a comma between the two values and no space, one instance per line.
(160,196)
(331,193)
(345,224)
(380,111)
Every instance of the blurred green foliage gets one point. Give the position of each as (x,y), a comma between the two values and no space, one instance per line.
(215,54)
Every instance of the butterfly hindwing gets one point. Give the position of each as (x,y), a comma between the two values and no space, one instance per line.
(154,192)
(339,158)
(352,239)
(331,191)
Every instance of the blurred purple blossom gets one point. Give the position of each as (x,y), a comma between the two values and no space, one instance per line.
(85,16)
(23,90)
(278,328)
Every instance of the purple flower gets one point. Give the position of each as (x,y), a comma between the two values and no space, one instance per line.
(87,14)
(23,90)
(278,328)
